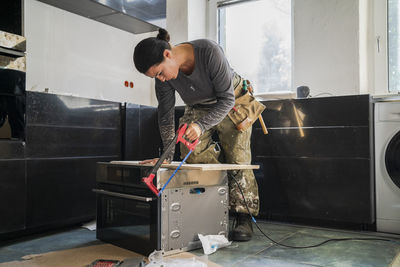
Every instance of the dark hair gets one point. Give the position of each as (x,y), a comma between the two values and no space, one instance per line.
(150,51)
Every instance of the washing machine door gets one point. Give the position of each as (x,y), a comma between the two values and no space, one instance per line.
(392,159)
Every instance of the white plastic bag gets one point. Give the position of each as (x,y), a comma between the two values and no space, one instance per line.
(211,243)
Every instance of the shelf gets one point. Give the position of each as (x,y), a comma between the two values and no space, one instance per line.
(11,52)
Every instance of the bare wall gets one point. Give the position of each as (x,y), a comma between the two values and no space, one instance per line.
(326,46)
(72,55)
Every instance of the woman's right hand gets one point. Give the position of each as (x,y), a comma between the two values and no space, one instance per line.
(152,161)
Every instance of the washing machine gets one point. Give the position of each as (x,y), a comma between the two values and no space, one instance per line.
(387,165)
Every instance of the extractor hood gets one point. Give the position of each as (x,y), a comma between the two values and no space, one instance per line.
(135,16)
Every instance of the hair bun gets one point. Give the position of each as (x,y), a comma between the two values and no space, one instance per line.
(163,35)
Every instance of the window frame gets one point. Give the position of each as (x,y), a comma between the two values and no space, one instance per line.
(283,94)
(387,58)
(381,55)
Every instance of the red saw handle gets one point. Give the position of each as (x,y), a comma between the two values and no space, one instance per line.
(181,132)
(149,182)
(191,146)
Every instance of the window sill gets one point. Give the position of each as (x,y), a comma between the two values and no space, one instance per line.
(275,95)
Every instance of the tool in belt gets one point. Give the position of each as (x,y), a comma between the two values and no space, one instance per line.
(178,138)
(248,87)
(247,109)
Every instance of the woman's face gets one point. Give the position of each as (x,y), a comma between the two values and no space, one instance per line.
(167,70)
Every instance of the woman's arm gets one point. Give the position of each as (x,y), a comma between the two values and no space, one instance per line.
(166,113)
(221,76)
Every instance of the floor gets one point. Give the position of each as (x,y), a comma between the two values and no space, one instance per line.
(257,252)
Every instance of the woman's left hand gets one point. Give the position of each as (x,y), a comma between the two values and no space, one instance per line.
(193,132)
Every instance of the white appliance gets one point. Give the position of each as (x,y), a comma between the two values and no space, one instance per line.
(387,166)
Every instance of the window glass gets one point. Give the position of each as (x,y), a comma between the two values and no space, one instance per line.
(393,46)
(257,39)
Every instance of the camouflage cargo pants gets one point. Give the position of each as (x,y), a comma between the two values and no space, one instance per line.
(235,150)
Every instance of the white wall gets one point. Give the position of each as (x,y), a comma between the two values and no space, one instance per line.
(186,21)
(197,19)
(177,20)
(73,55)
(211,23)
(326,46)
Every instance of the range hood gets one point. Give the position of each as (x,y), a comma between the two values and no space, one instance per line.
(135,16)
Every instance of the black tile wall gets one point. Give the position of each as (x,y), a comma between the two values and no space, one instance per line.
(313,112)
(12,149)
(53,141)
(149,133)
(49,178)
(12,195)
(65,126)
(60,190)
(142,136)
(63,111)
(131,136)
(333,142)
(179,111)
(316,161)
(316,188)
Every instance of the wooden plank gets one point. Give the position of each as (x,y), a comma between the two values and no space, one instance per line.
(203,167)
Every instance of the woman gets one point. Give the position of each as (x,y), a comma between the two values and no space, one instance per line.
(200,73)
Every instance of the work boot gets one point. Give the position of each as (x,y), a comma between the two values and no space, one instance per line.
(243,230)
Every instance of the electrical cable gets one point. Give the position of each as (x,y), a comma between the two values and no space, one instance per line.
(301,247)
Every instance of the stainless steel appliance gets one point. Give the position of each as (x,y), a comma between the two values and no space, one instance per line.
(129,215)
(387,164)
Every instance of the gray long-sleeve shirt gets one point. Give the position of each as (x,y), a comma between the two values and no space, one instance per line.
(210,83)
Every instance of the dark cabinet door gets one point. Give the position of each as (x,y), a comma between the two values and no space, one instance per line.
(65,137)
(12,186)
(60,191)
(316,160)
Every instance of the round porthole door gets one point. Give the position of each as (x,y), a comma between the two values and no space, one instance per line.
(392,159)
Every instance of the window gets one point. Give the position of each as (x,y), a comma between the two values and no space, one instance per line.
(257,39)
(393,45)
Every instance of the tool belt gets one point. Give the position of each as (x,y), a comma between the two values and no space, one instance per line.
(247,108)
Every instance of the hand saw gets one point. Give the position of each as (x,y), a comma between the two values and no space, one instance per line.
(178,138)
